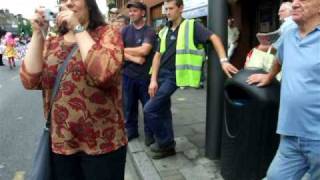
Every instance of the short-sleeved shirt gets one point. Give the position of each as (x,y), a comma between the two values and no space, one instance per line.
(133,37)
(299,113)
(168,58)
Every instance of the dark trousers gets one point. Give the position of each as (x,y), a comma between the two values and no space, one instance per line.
(81,166)
(1,61)
(158,110)
(135,90)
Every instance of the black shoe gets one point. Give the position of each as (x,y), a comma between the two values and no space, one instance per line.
(159,153)
(156,148)
(148,140)
(132,136)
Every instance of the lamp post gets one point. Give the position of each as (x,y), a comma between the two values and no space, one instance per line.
(217,22)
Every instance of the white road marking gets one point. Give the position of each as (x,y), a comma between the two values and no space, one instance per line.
(181,99)
(15,77)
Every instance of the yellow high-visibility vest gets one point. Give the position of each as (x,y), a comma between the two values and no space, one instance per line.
(189,58)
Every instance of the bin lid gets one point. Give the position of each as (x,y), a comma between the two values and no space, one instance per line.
(268,94)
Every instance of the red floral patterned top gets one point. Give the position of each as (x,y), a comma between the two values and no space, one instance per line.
(87,113)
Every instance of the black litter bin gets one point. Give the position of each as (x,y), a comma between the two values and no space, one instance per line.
(249,139)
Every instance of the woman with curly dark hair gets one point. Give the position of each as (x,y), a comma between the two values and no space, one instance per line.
(88,140)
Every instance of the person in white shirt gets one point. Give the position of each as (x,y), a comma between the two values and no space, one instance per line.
(233,36)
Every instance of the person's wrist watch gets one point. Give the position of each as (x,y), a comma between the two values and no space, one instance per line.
(78,29)
(224,60)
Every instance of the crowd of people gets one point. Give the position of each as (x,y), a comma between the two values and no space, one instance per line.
(113,66)
(88,123)
(12,48)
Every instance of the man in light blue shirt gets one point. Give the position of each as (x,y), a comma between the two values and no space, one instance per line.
(299,114)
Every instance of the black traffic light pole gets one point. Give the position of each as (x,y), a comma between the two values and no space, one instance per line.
(217,22)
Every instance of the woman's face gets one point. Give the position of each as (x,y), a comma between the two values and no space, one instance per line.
(79,7)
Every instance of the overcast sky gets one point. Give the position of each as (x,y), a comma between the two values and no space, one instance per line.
(26,7)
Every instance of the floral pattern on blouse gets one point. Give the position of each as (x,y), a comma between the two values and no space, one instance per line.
(87,112)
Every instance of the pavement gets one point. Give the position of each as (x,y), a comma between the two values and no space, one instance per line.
(189,116)
(190,163)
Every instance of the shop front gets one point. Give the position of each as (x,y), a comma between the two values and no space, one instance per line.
(251,17)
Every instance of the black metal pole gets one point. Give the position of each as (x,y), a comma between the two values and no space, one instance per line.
(217,22)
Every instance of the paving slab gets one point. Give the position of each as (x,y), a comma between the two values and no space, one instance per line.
(176,162)
(188,109)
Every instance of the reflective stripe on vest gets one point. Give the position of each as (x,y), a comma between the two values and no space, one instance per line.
(163,34)
(189,58)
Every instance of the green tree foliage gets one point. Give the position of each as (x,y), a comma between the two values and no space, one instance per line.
(24,27)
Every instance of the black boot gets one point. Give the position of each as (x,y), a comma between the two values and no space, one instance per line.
(158,152)
(148,140)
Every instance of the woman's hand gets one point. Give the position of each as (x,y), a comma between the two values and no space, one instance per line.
(67,17)
(38,22)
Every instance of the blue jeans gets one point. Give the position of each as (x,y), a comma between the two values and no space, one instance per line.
(158,111)
(133,91)
(295,157)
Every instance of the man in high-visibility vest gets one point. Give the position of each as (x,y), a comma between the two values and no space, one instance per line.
(177,63)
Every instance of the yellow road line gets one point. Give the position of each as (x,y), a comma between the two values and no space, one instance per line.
(19,175)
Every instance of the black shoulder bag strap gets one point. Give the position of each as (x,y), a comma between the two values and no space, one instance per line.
(57,82)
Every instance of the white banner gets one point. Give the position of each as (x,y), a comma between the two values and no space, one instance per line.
(195,8)
(191,4)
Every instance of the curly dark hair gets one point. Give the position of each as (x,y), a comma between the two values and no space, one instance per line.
(96,18)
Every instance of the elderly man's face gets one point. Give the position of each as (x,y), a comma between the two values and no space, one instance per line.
(305,10)
(284,11)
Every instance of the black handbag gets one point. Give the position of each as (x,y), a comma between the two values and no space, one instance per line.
(41,167)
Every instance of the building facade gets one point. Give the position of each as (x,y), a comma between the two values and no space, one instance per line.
(16,24)
(8,21)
